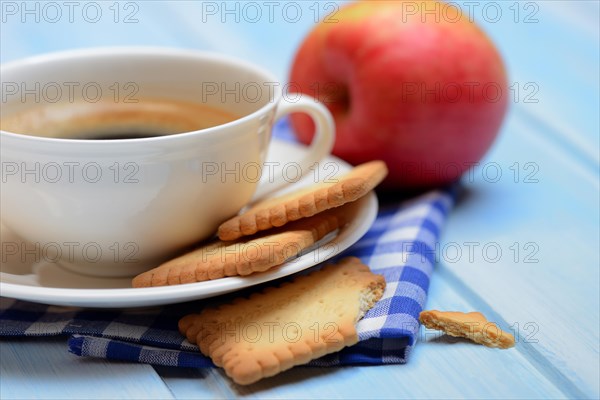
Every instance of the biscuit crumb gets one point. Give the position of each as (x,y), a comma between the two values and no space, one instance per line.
(472,325)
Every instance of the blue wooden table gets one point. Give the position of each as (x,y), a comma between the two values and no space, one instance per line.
(522,247)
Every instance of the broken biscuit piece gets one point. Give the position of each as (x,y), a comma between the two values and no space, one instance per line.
(272,331)
(472,325)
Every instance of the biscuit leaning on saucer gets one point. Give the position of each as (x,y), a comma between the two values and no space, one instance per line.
(305,202)
(473,326)
(247,255)
(294,323)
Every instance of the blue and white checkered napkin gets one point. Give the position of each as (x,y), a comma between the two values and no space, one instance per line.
(400,245)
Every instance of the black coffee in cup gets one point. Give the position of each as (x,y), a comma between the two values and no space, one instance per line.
(111,121)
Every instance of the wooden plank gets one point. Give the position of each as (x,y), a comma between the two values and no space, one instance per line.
(547,277)
(42,368)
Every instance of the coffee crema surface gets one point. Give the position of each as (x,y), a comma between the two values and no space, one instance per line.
(148,117)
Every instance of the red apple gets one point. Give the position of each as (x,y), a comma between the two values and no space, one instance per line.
(415,84)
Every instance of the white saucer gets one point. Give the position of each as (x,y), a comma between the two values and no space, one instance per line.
(47,283)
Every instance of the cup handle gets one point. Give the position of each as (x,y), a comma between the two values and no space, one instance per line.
(320,146)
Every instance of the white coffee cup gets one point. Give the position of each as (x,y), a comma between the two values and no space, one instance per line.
(119,207)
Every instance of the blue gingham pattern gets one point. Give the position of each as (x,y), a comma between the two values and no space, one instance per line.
(400,245)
